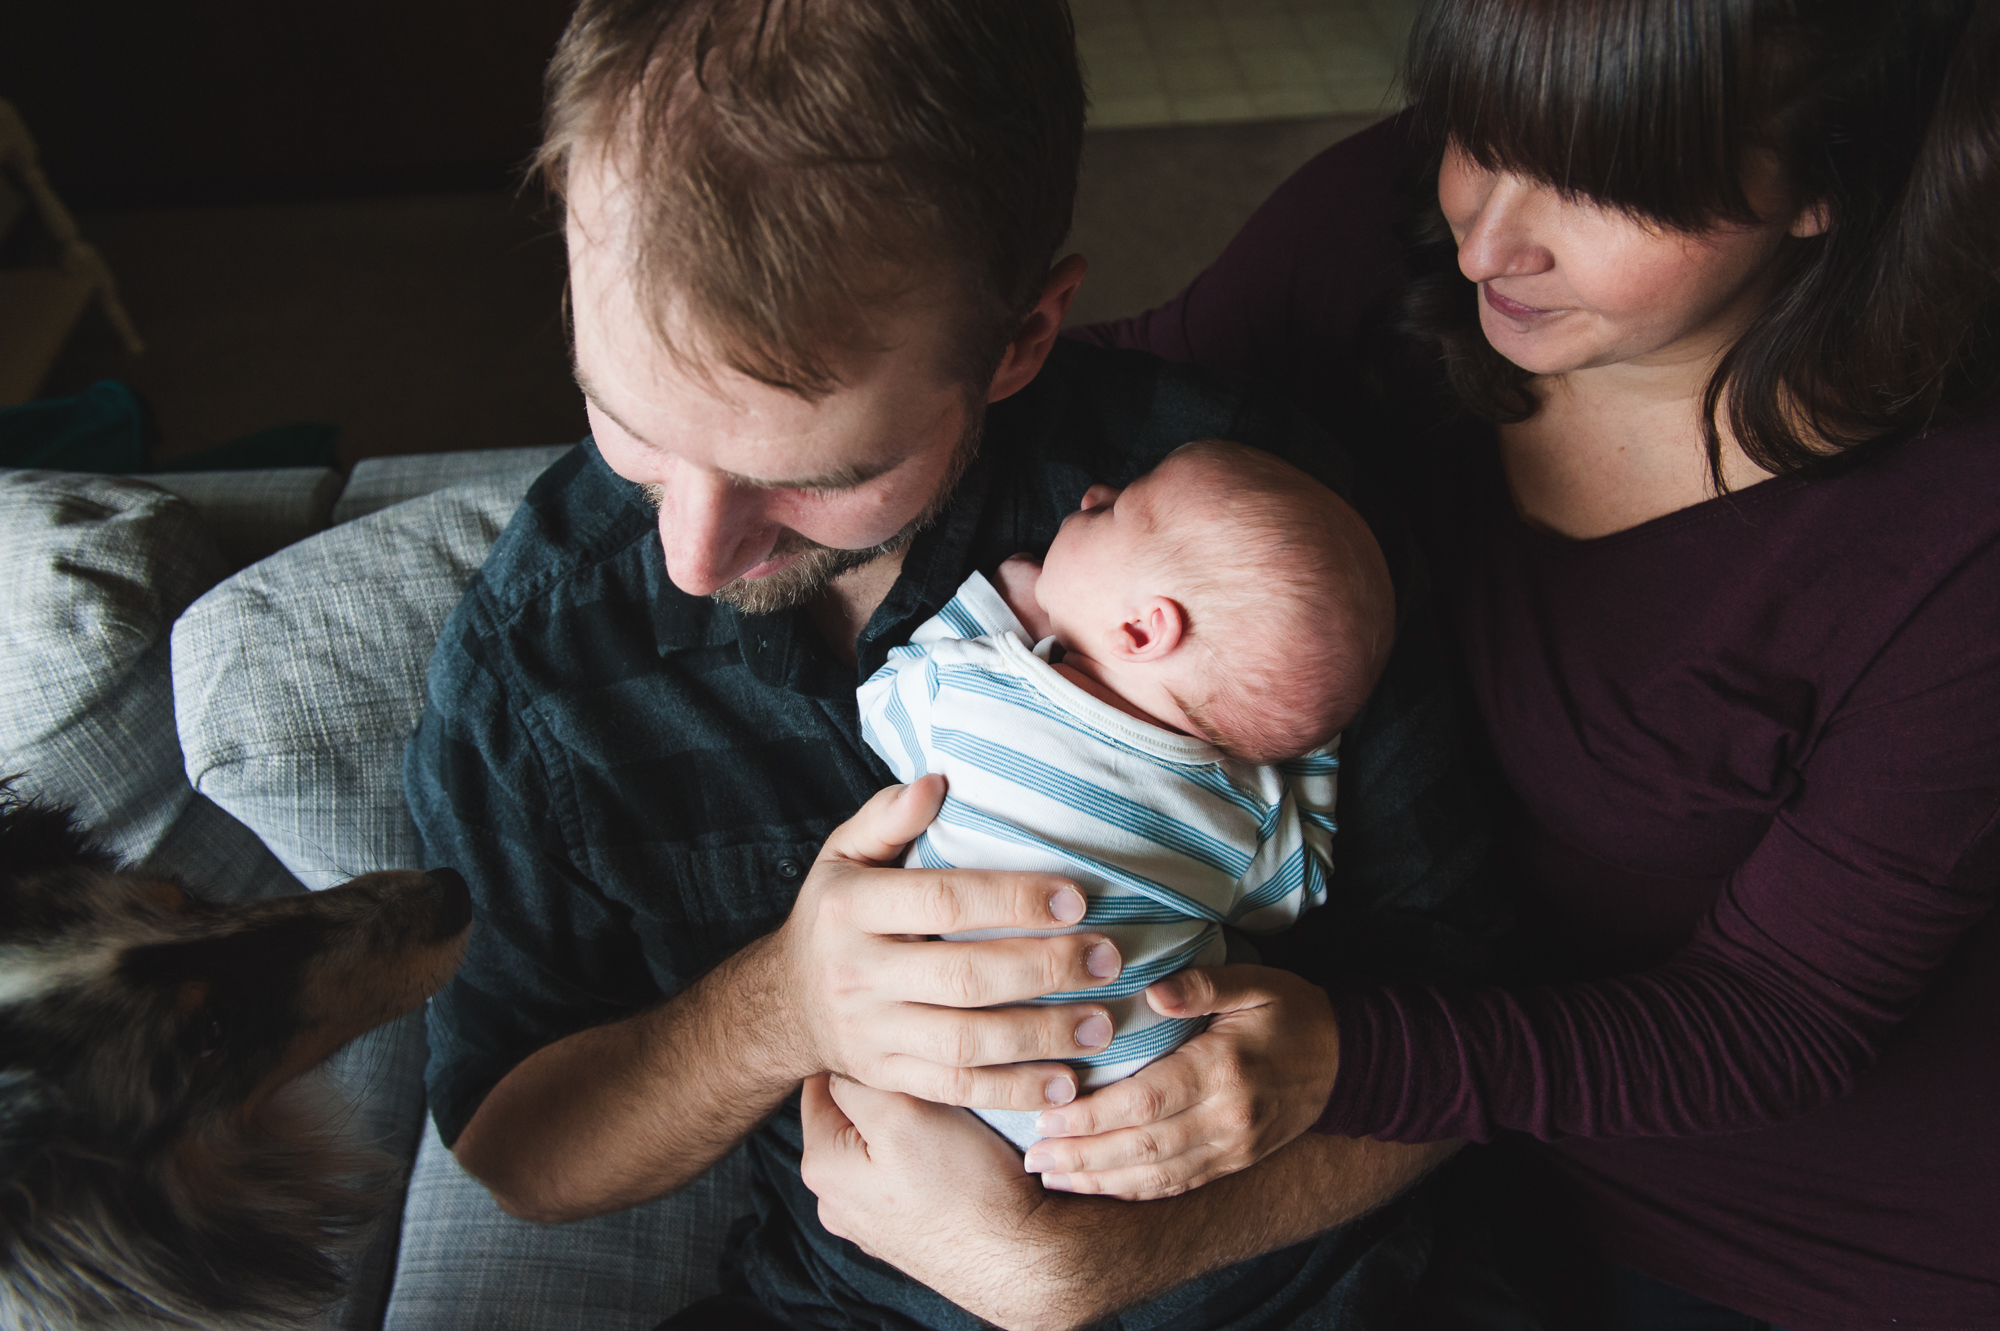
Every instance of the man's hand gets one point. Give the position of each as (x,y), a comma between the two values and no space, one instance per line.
(867,994)
(1255,1079)
(933,1192)
(878,1187)
(622,1113)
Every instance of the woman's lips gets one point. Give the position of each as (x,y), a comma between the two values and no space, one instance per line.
(1512,309)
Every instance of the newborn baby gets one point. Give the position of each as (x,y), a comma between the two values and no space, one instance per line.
(1153,710)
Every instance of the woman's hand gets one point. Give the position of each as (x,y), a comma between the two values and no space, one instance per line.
(1255,1079)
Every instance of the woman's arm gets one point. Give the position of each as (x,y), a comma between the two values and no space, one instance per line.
(1820,945)
(1286,299)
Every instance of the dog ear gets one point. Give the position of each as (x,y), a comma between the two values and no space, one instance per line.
(36,837)
(30,1117)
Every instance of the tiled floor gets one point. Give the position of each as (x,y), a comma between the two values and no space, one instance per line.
(1197,62)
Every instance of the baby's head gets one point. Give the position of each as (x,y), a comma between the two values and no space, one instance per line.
(1228,589)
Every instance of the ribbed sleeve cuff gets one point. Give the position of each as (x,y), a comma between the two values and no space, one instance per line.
(1351,1110)
(1404,1076)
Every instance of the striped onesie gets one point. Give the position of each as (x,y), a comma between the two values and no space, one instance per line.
(1168,838)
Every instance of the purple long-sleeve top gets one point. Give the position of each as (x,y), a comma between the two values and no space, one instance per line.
(1753,749)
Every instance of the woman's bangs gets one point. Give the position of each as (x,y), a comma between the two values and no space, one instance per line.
(1635,104)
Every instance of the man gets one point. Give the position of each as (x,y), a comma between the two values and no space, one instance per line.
(815,323)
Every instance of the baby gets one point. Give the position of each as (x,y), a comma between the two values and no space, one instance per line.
(1153,710)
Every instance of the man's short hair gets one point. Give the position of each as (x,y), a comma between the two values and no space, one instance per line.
(796,162)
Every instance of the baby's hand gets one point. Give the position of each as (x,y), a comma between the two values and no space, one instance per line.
(1017,578)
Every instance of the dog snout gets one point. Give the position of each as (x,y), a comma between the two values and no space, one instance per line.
(454,910)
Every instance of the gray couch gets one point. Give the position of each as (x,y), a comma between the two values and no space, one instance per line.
(221,677)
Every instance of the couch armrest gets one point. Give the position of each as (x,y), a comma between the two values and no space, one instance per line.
(298,682)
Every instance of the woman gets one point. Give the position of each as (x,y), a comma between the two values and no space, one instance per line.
(1714,286)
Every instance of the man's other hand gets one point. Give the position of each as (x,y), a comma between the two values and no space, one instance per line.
(866,991)
(876,1159)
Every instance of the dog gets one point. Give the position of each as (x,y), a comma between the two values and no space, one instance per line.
(160,1159)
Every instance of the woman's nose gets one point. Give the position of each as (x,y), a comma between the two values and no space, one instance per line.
(1500,239)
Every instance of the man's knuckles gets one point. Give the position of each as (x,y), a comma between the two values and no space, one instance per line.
(956,1041)
(950,1086)
(957,979)
(842,977)
(938,903)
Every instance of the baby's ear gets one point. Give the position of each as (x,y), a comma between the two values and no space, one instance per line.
(30,1116)
(1155,630)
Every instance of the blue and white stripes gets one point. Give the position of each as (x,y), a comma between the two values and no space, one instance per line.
(1169,838)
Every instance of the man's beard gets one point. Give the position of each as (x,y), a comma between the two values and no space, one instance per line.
(816,565)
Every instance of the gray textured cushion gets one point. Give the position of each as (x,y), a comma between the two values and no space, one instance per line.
(256,513)
(298,682)
(97,567)
(382,1076)
(376,483)
(468,1266)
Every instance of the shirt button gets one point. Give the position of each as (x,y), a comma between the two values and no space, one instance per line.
(790,869)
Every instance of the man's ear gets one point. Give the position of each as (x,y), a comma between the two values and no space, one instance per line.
(1151,634)
(1023,358)
(30,1117)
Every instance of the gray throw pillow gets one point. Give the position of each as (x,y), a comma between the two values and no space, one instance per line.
(96,570)
(257,513)
(377,483)
(298,682)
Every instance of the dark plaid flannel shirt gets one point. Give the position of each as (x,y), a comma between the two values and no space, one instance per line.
(633,781)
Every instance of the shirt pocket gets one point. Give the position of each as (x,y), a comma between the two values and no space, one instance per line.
(734,895)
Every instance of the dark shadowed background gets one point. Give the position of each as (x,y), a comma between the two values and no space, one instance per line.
(313,212)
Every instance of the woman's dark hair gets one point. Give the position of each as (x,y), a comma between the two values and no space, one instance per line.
(1886,111)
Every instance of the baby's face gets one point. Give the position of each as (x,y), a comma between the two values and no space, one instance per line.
(1099,567)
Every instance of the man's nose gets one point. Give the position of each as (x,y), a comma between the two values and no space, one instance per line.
(711,529)
(1501,240)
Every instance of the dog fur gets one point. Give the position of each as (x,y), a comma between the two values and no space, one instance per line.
(160,1161)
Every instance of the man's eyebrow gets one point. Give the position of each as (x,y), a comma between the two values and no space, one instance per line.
(590,395)
(840,478)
